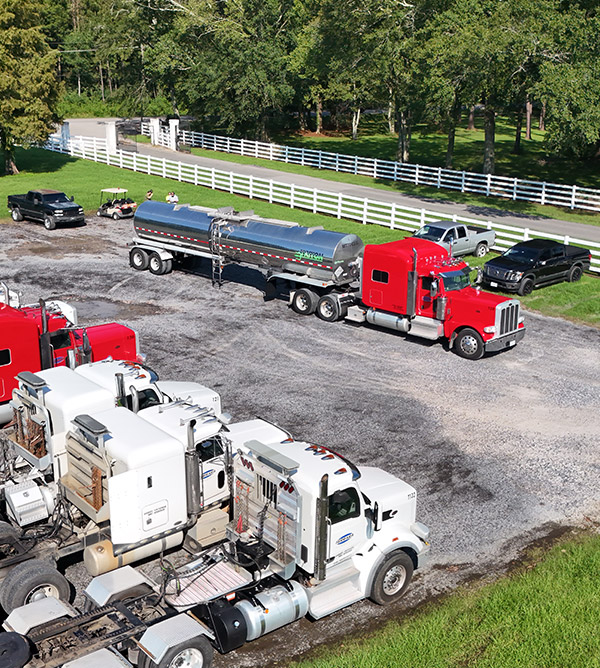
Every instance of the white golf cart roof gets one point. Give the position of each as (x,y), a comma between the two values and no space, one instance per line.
(114,191)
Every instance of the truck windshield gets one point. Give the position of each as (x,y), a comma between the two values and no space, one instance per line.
(55,198)
(456,280)
(522,254)
(430,232)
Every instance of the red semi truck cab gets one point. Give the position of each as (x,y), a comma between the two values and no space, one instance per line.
(414,286)
(33,338)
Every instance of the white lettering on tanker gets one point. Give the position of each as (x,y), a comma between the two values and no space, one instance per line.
(155,515)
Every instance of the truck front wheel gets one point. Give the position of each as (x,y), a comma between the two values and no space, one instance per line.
(469,344)
(194,653)
(16,215)
(49,224)
(526,287)
(138,259)
(392,578)
(30,581)
(305,301)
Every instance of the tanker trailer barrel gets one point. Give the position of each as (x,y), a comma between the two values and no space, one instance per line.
(275,245)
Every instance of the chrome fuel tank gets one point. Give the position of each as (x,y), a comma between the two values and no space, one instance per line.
(279,245)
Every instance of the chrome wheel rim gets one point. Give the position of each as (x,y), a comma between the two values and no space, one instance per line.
(188,658)
(468,344)
(394,580)
(302,302)
(42,591)
(327,309)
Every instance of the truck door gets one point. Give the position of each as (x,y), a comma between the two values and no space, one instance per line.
(31,205)
(211,454)
(556,264)
(61,343)
(346,524)
(461,241)
(425,302)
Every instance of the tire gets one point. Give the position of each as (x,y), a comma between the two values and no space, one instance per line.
(392,578)
(16,214)
(526,287)
(98,213)
(14,649)
(305,301)
(469,344)
(49,224)
(155,264)
(8,533)
(194,653)
(115,216)
(138,259)
(167,266)
(575,274)
(481,249)
(328,308)
(30,581)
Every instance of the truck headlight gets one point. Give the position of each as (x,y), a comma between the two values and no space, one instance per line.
(490,330)
(515,275)
(58,211)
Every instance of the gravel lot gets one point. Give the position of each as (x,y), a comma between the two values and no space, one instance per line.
(501,451)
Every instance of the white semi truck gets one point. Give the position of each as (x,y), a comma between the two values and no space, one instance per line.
(310,533)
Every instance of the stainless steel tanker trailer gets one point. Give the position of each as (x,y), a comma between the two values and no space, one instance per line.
(411,286)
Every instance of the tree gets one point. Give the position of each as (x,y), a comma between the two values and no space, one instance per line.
(29,91)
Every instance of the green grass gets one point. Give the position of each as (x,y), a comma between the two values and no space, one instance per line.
(579,302)
(545,616)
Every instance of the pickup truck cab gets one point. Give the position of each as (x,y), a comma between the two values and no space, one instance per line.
(534,263)
(46,206)
(458,239)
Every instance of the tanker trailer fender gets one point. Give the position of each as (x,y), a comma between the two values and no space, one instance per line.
(176,637)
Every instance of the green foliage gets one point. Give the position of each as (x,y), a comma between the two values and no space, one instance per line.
(545,616)
(28,87)
(92,105)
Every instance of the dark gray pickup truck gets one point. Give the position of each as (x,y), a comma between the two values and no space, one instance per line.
(534,263)
(46,206)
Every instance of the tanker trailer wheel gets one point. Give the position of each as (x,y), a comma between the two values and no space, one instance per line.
(392,578)
(329,308)
(158,266)
(194,653)
(138,259)
(469,344)
(31,581)
(305,301)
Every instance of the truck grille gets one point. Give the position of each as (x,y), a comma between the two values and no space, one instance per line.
(508,315)
(493,272)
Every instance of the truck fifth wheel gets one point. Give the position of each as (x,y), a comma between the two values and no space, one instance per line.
(412,286)
(310,534)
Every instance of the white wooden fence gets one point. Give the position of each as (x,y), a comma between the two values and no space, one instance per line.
(388,214)
(571,196)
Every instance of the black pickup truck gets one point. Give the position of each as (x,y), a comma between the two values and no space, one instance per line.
(47,206)
(534,263)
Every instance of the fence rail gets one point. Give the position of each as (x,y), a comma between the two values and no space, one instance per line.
(539,192)
(366,211)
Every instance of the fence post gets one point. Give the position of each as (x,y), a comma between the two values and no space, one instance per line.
(179,171)
(573,197)
(543,196)
(195,174)
(320,154)
(393,215)
(375,168)
(250,185)
(292,196)
(231,190)
(339,210)
(439,184)
(365,207)
(337,162)
(315,200)
(302,150)
(270,151)
(395,171)
(135,169)
(287,153)
(422,217)
(212,178)
(164,166)
(356,164)
(95,151)
(462,182)
(271,191)
(526,234)
(567,239)
(487,187)
(515,188)
(416,175)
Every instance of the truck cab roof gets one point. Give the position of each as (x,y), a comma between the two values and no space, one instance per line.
(103,373)
(174,419)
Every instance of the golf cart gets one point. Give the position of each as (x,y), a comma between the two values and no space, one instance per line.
(117,204)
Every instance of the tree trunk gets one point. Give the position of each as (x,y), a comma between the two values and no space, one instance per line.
(109,77)
(542,124)
(78,84)
(10,166)
(391,113)
(403,150)
(528,110)
(301,118)
(517,145)
(101,81)
(355,122)
(471,122)
(489,122)
(319,113)
(454,120)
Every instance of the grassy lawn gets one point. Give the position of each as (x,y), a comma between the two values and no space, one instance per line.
(546,615)
(83,178)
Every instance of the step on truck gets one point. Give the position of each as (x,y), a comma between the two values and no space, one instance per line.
(125,486)
(45,335)
(411,286)
(310,534)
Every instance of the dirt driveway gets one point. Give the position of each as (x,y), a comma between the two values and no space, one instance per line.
(501,451)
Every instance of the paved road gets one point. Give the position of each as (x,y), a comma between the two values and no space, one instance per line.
(96,127)
(501,451)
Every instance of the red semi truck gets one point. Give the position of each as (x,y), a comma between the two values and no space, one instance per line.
(411,286)
(41,336)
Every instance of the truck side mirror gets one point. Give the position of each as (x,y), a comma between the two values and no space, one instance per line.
(434,289)
(72,198)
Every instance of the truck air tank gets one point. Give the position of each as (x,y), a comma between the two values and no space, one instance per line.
(277,607)
(99,558)
(310,251)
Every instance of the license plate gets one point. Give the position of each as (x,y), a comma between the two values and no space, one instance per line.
(494,284)
(511,343)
